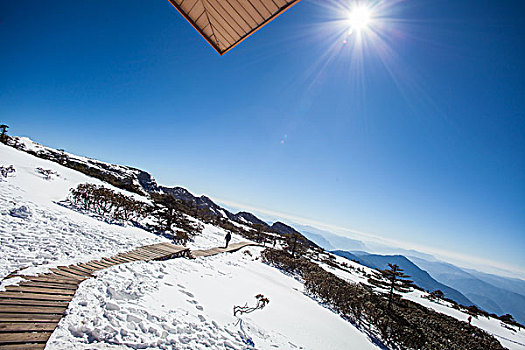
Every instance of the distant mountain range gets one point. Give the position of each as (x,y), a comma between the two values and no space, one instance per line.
(495,294)
(330,241)
(419,276)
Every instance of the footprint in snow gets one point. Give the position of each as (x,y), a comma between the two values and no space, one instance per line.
(187,293)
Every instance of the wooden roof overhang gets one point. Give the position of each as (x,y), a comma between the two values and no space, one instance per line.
(225,23)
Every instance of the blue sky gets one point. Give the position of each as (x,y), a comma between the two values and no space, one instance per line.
(415,134)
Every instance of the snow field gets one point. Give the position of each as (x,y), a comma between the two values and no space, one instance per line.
(188,304)
(45,234)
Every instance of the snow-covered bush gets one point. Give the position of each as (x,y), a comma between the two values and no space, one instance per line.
(164,217)
(22,212)
(107,203)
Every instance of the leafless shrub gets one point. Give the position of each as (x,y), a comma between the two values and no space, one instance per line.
(262,301)
(7,171)
(46,173)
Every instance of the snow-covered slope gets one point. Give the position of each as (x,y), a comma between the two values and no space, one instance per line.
(188,304)
(48,234)
(509,336)
(180,303)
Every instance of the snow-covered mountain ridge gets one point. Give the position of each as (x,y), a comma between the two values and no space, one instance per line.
(135,180)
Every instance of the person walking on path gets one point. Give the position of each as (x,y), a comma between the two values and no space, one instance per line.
(469,319)
(228,239)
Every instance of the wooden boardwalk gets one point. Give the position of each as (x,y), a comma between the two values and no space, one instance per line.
(30,311)
(214,251)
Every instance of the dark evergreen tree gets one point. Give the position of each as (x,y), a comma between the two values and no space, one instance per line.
(3,137)
(437,294)
(507,318)
(259,232)
(62,157)
(165,210)
(392,279)
(169,211)
(295,243)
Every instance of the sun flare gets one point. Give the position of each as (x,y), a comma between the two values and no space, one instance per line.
(359,18)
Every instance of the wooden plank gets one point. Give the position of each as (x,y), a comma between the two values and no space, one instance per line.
(240,13)
(157,255)
(16,317)
(28,327)
(158,250)
(120,259)
(81,269)
(220,27)
(113,261)
(230,19)
(138,257)
(110,262)
(145,253)
(173,246)
(260,8)
(169,249)
(68,275)
(48,285)
(95,265)
(155,251)
(29,302)
(246,8)
(128,257)
(101,263)
(91,265)
(25,289)
(151,256)
(141,253)
(34,346)
(52,278)
(36,296)
(22,309)
(73,272)
(37,337)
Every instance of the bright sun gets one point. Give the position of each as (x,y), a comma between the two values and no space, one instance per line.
(359,18)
